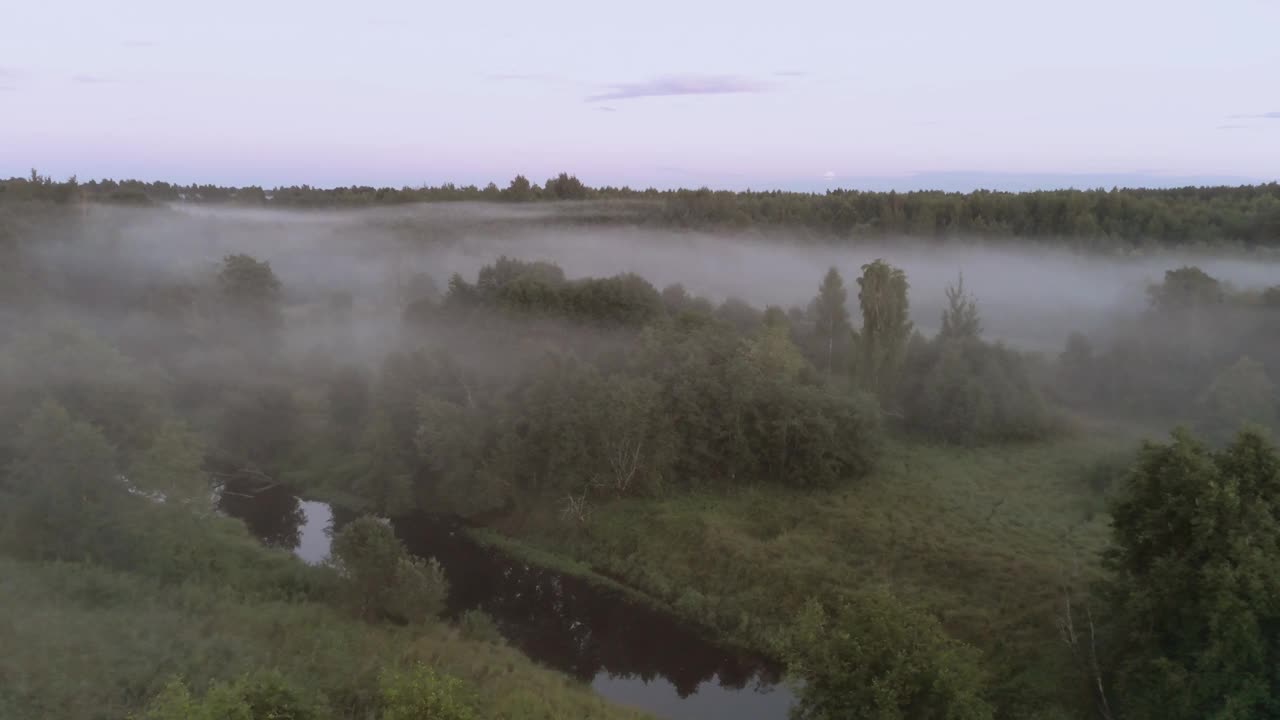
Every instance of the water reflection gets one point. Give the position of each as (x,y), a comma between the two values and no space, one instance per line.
(629,652)
(273,515)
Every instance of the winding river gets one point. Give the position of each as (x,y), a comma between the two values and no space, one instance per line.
(628,652)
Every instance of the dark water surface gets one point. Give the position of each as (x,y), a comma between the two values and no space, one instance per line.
(629,653)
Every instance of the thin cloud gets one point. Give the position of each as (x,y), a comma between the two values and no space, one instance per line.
(517,76)
(792,73)
(139,44)
(86,79)
(829,174)
(680,85)
(1232,127)
(1259,116)
(606,108)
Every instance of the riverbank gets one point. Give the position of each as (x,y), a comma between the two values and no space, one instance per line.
(87,641)
(984,538)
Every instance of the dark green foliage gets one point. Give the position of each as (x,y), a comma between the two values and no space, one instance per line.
(959,388)
(831,321)
(381,579)
(519,190)
(348,397)
(62,488)
(565,187)
(1195,588)
(172,467)
(260,426)
(742,410)
(960,319)
(886,327)
(875,657)
(1120,217)
(262,696)
(251,294)
(1185,290)
(84,374)
(541,289)
(479,625)
(1168,362)
(1242,394)
(966,390)
(384,478)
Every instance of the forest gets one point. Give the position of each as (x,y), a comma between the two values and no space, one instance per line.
(1093,218)
(1032,478)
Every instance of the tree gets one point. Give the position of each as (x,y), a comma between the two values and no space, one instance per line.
(875,657)
(386,481)
(1242,393)
(965,390)
(566,187)
(882,295)
(382,580)
(960,319)
(260,427)
(251,293)
(519,190)
(832,318)
(172,467)
(348,397)
(451,444)
(1185,290)
(1194,588)
(63,486)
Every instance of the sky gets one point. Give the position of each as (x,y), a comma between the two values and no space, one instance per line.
(798,95)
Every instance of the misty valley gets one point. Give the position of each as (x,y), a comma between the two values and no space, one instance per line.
(555,451)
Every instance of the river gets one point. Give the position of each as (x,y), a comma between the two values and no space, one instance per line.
(628,652)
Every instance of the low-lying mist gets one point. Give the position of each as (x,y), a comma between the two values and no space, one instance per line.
(1031,297)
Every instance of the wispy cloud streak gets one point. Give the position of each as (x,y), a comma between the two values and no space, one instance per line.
(504,77)
(680,85)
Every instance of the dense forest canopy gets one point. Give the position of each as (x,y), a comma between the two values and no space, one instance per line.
(1248,216)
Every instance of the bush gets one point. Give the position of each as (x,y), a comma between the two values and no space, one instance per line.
(265,696)
(874,657)
(1240,394)
(421,694)
(479,625)
(965,390)
(381,579)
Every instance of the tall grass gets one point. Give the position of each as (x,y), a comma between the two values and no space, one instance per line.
(982,537)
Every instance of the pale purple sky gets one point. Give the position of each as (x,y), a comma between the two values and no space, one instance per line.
(797,94)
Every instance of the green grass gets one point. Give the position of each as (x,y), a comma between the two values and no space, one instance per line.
(982,537)
(86,642)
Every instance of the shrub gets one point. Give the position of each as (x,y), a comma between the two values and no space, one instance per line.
(874,657)
(479,625)
(421,694)
(382,580)
(264,696)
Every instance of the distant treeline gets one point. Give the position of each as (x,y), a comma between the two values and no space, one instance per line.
(1248,216)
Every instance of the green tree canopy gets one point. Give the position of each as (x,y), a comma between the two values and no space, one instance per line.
(831,319)
(382,579)
(875,657)
(886,325)
(1195,587)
